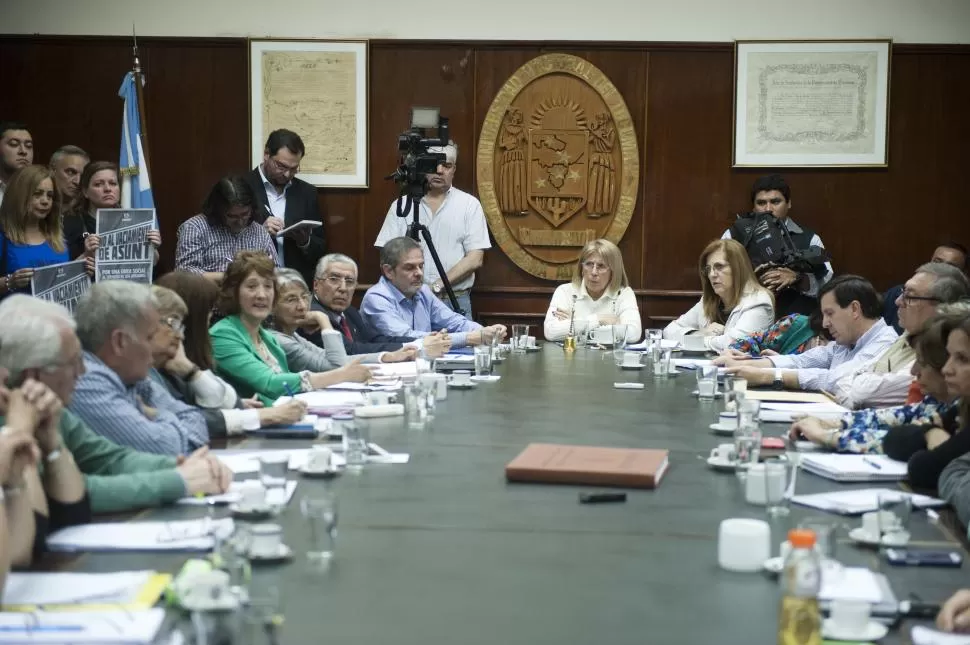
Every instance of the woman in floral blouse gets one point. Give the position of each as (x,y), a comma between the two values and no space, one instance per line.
(863,431)
(792,334)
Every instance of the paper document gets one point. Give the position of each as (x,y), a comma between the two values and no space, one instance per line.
(306,223)
(247,461)
(76,628)
(33,589)
(774,412)
(326,399)
(666,343)
(926,636)
(853,468)
(179,535)
(856,502)
(788,396)
(850,583)
(279,496)
(377,386)
(397,369)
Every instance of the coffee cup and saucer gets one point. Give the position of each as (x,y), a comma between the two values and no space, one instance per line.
(319,463)
(694,344)
(632,361)
(206,591)
(884,523)
(849,620)
(723,458)
(460,380)
(266,544)
(727,423)
(530,344)
(252,504)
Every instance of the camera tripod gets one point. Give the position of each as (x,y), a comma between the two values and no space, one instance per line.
(412,198)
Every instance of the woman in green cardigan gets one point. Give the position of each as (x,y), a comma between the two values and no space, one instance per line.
(247,355)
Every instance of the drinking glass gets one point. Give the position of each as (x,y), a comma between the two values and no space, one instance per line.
(619,343)
(707,381)
(415,405)
(355,444)
(747,446)
(825,535)
(749,411)
(262,618)
(661,364)
(895,510)
(734,391)
(273,469)
(483,360)
(778,478)
(518,340)
(319,511)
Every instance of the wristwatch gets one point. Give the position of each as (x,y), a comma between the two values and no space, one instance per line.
(779,383)
(437,286)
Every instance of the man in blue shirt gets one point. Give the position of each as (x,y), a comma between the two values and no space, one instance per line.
(400,304)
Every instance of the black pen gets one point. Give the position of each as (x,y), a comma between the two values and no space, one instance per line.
(872,463)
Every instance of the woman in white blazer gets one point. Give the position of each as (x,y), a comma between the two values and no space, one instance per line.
(733,304)
(600,293)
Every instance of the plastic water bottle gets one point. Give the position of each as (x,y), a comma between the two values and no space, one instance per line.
(799,622)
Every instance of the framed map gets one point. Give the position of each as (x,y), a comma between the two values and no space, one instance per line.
(811,103)
(317,89)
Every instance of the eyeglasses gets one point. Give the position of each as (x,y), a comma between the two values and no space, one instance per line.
(909,299)
(295,298)
(717,267)
(336,281)
(282,168)
(597,266)
(174,323)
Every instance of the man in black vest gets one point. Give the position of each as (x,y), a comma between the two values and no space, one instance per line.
(285,200)
(795,288)
(333,290)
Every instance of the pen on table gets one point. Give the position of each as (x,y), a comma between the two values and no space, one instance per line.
(933,515)
(872,463)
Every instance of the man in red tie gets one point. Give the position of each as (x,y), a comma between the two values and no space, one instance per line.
(333,290)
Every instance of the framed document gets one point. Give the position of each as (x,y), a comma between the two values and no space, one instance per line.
(811,103)
(317,89)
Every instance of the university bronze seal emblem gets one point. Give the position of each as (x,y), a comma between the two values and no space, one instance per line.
(557,164)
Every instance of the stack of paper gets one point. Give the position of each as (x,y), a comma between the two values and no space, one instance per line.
(130,589)
(780,412)
(100,627)
(925,636)
(322,401)
(856,502)
(247,461)
(389,385)
(850,583)
(182,535)
(274,496)
(694,363)
(854,468)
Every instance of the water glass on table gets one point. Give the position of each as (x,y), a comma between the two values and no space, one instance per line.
(779,474)
(273,469)
(415,405)
(355,443)
(707,382)
(483,360)
(520,334)
(661,362)
(319,511)
(619,343)
(747,447)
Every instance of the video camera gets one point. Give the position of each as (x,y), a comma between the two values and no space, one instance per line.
(769,244)
(417,160)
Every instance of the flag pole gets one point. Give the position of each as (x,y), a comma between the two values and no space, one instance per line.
(140,93)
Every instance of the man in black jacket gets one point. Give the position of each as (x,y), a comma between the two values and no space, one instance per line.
(284,200)
(333,291)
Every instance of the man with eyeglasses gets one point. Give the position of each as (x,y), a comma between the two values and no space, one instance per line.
(333,292)
(952,253)
(794,292)
(457,225)
(282,200)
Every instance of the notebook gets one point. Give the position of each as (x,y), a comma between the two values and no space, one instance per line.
(177,535)
(129,590)
(854,468)
(96,627)
(564,464)
(856,502)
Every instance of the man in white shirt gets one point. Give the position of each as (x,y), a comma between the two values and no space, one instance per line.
(16,151)
(852,315)
(457,225)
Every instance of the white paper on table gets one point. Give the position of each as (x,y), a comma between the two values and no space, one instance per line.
(408,368)
(775,412)
(247,461)
(31,588)
(376,455)
(925,636)
(100,627)
(382,386)
(850,583)
(274,496)
(692,363)
(178,535)
(854,467)
(863,500)
(665,343)
(326,399)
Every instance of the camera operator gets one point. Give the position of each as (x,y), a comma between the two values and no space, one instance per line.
(795,289)
(456,222)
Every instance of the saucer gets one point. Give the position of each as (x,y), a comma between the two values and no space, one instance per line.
(723,429)
(872,632)
(328,473)
(638,366)
(717,394)
(282,554)
(461,386)
(251,513)
(532,350)
(859,536)
(486,378)
(722,465)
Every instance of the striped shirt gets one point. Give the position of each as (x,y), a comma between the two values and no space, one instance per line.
(112,410)
(457,228)
(203,248)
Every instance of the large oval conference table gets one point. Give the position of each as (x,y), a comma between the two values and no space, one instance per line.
(443,550)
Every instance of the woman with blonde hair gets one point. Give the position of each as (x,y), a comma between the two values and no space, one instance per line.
(733,304)
(31,230)
(599,294)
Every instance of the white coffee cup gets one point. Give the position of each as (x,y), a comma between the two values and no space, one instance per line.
(460,377)
(252,494)
(203,588)
(631,359)
(754,486)
(440,383)
(319,457)
(850,616)
(872,520)
(694,343)
(265,539)
(530,341)
(743,544)
(728,419)
(724,452)
(378,398)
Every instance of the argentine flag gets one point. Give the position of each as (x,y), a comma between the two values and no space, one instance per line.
(136,187)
